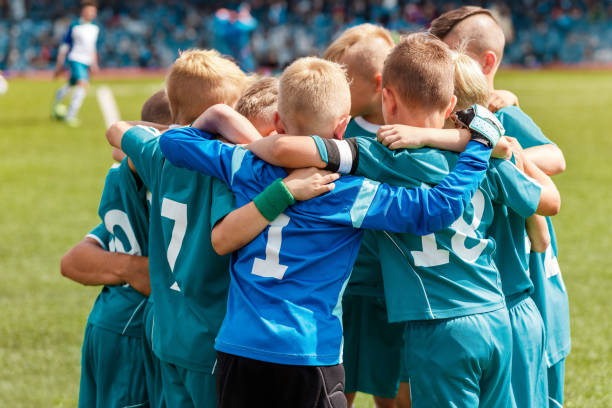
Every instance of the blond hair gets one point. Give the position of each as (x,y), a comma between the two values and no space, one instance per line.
(470,83)
(363,47)
(313,95)
(259,101)
(420,68)
(199,79)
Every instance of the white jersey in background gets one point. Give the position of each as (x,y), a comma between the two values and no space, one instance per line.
(81,39)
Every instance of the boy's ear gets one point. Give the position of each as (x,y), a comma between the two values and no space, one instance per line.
(451,107)
(378,82)
(278,124)
(488,62)
(389,103)
(341,127)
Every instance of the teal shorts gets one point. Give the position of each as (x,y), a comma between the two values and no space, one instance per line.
(372,346)
(112,370)
(78,71)
(556,378)
(529,382)
(152,366)
(185,388)
(460,362)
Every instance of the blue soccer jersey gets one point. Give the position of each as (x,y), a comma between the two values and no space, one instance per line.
(284,298)
(449,273)
(189,281)
(124,215)
(549,291)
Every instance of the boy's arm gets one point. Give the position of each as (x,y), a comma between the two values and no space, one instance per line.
(90,264)
(422,211)
(116,131)
(500,98)
(548,157)
(537,231)
(550,199)
(412,137)
(223,120)
(291,152)
(242,225)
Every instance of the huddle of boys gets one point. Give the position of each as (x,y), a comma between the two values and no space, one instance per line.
(275,306)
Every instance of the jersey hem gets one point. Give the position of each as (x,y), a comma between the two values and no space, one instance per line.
(445,314)
(277,358)
(189,365)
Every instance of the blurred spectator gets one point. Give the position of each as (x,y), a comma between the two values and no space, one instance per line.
(272,33)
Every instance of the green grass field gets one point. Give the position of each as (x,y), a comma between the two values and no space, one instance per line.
(51,178)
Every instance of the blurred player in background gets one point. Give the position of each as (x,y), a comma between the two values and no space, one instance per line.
(78,53)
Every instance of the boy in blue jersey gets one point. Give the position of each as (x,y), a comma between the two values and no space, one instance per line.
(371,345)
(485,43)
(78,51)
(280,342)
(456,286)
(188,280)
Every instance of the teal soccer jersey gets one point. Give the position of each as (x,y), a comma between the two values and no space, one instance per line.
(549,291)
(124,215)
(189,281)
(366,278)
(450,273)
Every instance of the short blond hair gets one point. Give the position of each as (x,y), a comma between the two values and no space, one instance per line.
(260,100)
(199,79)
(470,83)
(420,68)
(313,95)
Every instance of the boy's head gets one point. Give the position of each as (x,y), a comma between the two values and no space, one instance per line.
(470,83)
(314,99)
(362,50)
(89,10)
(259,103)
(199,79)
(477,30)
(418,82)
(156,109)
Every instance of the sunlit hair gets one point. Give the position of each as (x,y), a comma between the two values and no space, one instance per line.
(470,83)
(313,95)
(420,68)
(156,109)
(260,100)
(368,43)
(199,79)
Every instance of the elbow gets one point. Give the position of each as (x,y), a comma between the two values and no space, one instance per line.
(219,243)
(114,130)
(550,207)
(67,266)
(541,244)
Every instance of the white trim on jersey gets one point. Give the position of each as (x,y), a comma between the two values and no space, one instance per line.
(365,125)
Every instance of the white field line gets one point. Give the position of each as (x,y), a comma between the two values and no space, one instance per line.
(108,105)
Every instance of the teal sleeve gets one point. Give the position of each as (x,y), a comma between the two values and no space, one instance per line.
(141,145)
(100,234)
(519,125)
(513,188)
(321,147)
(223,202)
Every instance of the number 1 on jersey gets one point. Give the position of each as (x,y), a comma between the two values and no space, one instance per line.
(271,267)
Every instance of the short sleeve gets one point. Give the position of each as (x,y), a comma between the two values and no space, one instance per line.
(223,201)
(519,125)
(513,188)
(100,234)
(141,145)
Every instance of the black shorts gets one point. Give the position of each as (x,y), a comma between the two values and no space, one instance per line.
(243,382)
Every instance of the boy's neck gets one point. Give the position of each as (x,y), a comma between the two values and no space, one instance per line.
(375,117)
(419,118)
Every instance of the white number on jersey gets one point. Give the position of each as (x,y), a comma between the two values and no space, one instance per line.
(271,267)
(178,213)
(431,255)
(118,218)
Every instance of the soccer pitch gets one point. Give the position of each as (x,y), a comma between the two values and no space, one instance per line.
(51,178)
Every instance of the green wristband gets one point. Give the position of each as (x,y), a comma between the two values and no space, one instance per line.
(275,199)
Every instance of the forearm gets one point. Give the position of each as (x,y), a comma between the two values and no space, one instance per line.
(549,158)
(454,140)
(90,264)
(550,199)
(537,231)
(135,272)
(225,121)
(237,229)
(292,152)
